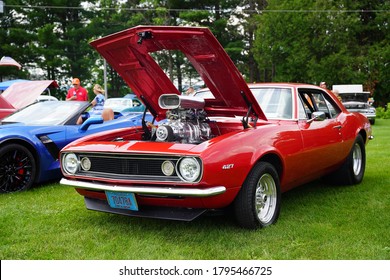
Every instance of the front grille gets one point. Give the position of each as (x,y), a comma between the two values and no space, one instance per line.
(128,167)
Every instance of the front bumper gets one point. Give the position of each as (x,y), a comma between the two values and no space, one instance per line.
(370,116)
(159,191)
(165,213)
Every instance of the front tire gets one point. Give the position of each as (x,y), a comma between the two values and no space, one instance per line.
(17,168)
(258,203)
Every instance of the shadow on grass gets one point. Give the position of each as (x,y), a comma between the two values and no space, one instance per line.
(296,201)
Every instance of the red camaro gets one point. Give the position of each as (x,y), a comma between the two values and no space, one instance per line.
(233,144)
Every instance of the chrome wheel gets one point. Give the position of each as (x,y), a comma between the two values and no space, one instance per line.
(357,159)
(352,170)
(257,204)
(266,198)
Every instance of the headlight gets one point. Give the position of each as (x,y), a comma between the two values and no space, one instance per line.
(70,163)
(189,169)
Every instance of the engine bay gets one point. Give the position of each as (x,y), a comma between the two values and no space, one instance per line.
(186,120)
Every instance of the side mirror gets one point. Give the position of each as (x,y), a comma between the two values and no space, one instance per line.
(317,116)
(88,122)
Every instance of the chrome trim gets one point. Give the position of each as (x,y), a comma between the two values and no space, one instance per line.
(190,192)
(134,177)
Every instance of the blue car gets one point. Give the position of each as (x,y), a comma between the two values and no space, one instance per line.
(30,140)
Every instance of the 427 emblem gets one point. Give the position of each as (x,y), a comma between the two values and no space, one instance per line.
(228,166)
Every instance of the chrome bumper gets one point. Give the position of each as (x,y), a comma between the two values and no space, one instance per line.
(163,191)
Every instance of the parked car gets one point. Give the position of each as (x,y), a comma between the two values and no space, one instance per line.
(20,94)
(124,106)
(30,140)
(356,100)
(241,146)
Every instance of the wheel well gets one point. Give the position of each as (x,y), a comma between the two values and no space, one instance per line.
(363,133)
(275,161)
(26,145)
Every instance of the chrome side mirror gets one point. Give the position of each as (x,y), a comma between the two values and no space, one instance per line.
(317,116)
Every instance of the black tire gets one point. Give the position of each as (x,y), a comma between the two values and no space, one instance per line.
(17,168)
(257,204)
(352,170)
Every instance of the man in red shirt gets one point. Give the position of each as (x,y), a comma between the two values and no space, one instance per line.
(77,92)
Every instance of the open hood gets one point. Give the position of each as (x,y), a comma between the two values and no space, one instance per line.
(129,53)
(19,95)
(9,61)
(355,96)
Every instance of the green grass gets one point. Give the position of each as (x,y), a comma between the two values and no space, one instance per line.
(317,221)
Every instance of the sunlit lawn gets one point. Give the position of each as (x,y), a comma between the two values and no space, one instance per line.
(317,221)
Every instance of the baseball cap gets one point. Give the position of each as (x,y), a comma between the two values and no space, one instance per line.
(75,81)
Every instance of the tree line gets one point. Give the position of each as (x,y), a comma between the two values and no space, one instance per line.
(339,41)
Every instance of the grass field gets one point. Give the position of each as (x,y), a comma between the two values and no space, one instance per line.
(317,221)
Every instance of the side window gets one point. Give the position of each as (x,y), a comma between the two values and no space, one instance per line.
(307,104)
(303,110)
(315,100)
(334,111)
(325,104)
(320,104)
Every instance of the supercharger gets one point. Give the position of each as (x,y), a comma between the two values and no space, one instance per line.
(186,120)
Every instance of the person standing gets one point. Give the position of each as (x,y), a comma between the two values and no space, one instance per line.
(97,106)
(323,85)
(77,92)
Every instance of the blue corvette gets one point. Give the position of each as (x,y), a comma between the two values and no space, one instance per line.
(30,140)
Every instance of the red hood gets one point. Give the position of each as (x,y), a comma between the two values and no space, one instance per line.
(21,94)
(128,52)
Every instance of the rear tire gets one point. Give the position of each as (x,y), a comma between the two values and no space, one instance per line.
(17,168)
(352,170)
(257,204)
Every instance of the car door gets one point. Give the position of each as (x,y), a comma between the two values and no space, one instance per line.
(322,139)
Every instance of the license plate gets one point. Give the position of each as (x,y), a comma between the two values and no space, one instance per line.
(122,200)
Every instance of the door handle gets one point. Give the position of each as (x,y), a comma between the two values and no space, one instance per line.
(337,127)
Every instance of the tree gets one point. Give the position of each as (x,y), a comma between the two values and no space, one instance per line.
(15,41)
(49,37)
(341,42)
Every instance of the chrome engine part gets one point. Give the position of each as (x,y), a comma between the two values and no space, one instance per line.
(186,120)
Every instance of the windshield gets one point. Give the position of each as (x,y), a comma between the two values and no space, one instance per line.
(45,113)
(275,102)
(112,102)
(204,94)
